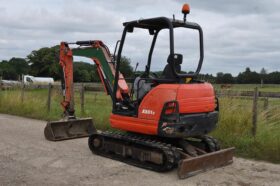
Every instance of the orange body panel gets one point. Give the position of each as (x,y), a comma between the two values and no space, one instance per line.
(192,98)
(152,104)
(134,124)
(196,98)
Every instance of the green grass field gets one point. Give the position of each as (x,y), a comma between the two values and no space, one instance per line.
(34,105)
(234,128)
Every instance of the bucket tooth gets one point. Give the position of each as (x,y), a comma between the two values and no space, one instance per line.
(194,165)
(69,129)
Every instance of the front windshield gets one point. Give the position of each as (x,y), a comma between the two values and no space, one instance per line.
(136,48)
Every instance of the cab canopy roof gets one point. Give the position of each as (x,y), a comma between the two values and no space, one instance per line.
(159,23)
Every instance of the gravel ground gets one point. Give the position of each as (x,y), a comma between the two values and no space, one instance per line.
(26,158)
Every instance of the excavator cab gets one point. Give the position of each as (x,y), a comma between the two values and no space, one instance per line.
(171,73)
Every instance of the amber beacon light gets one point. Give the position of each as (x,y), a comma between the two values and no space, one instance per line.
(185,11)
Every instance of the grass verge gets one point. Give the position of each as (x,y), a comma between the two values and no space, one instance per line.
(235,129)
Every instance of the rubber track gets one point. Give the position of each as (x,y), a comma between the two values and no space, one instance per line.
(212,143)
(169,152)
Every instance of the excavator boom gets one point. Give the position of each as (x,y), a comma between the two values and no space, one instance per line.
(71,127)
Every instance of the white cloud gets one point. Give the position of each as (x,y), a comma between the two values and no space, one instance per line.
(237,34)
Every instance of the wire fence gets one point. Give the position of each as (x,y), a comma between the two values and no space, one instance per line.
(263,103)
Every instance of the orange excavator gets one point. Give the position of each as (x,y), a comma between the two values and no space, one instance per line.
(164,121)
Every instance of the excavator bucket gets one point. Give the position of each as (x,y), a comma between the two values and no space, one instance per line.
(194,165)
(69,129)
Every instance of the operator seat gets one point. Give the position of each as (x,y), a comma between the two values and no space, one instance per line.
(167,72)
(141,87)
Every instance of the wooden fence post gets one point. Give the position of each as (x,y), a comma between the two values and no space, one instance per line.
(0,83)
(255,111)
(82,96)
(22,90)
(49,97)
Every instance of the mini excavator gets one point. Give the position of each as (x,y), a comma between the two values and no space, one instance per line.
(166,120)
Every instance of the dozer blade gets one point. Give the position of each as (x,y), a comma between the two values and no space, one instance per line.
(69,129)
(194,165)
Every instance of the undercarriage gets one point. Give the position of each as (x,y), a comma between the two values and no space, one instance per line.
(190,156)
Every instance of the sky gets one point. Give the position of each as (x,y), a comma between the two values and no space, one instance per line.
(237,34)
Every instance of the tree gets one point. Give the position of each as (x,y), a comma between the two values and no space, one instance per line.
(20,65)
(7,71)
(247,70)
(94,75)
(228,79)
(273,78)
(207,77)
(248,77)
(224,78)
(125,67)
(263,71)
(262,75)
(13,68)
(45,62)
(219,78)
(85,72)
